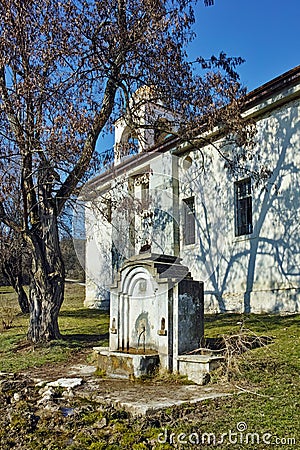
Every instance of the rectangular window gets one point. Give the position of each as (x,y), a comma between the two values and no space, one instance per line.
(108,209)
(243,207)
(145,195)
(189,220)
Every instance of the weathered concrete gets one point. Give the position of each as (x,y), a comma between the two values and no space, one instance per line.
(82,370)
(138,398)
(198,367)
(132,366)
(125,365)
(148,398)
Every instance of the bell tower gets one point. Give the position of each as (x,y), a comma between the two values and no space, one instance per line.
(147,123)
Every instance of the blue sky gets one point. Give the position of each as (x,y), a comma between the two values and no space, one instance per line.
(266,33)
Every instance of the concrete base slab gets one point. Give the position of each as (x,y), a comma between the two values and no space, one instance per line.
(138,409)
(148,398)
(82,369)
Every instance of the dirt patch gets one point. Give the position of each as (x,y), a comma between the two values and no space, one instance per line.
(40,407)
(48,372)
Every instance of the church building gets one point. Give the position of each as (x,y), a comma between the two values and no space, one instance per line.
(237,235)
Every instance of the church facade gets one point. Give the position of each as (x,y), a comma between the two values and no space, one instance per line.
(241,238)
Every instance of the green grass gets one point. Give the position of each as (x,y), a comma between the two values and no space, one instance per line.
(271,373)
(266,381)
(267,401)
(79,326)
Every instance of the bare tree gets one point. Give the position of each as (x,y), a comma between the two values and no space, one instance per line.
(14,262)
(67,69)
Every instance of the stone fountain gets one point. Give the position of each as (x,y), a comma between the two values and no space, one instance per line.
(156,320)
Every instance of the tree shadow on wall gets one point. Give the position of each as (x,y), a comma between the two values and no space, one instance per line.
(273,249)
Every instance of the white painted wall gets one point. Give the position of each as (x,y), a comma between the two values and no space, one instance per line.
(98,256)
(258,272)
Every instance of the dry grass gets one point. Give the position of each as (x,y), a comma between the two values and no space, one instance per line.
(80,327)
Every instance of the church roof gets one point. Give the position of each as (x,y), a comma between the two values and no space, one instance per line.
(272,94)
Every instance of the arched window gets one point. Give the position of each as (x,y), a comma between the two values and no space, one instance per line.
(161,130)
(129,144)
(187,162)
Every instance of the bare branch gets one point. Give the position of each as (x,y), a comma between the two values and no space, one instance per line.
(15,125)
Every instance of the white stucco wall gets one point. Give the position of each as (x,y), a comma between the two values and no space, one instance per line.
(261,271)
(98,255)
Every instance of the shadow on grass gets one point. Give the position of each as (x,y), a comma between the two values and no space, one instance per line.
(83,313)
(85,338)
(259,321)
(82,340)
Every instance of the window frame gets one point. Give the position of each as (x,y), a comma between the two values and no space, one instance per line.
(243,225)
(189,221)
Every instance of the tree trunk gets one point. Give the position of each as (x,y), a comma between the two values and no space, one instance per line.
(22,297)
(47,278)
(15,278)
(46,298)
